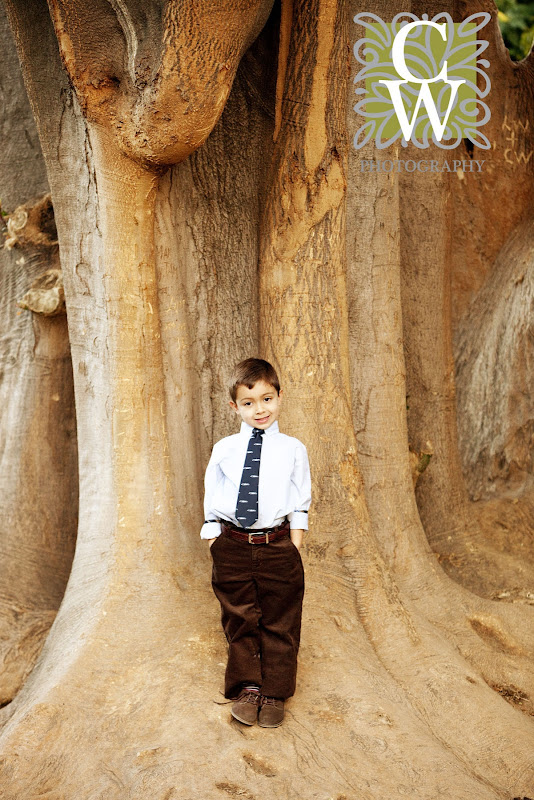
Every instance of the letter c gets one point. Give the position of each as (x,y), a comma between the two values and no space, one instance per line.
(397,52)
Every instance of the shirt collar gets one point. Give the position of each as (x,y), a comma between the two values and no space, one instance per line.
(246,429)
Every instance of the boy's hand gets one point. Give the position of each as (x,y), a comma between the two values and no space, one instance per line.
(296,537)
(210,541)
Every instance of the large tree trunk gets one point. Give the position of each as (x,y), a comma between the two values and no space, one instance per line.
(38,459)
(409,684)
(476,215)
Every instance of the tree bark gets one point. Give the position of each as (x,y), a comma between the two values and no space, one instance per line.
(469,246)
(38,457)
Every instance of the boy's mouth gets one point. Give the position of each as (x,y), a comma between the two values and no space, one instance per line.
(262,419)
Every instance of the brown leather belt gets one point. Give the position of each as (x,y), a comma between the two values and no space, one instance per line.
(257,536)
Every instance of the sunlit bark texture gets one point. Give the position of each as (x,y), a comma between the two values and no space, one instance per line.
(209,206)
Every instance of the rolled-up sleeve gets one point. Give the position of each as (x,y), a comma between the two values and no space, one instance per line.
(301,479)
(211,527)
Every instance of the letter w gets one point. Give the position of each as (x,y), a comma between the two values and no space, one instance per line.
(425,96)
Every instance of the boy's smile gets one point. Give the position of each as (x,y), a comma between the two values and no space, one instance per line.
(259,406)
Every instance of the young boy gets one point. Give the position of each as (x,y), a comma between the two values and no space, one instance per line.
(258,492)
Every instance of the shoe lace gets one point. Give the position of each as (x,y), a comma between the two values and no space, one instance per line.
(248,697)
(269,701)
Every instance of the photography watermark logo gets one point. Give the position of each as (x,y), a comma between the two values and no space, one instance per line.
(423,81)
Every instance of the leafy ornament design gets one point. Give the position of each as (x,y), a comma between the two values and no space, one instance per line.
(467,116)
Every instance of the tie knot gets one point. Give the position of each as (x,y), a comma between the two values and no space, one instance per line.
(257,432)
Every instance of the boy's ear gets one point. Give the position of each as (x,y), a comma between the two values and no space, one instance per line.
(234,406)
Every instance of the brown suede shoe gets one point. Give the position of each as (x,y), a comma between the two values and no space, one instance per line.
(245,707)
(271,712)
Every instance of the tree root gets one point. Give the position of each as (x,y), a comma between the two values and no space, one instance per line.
(138,707)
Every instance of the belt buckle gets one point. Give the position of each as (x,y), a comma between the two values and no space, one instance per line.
(252,535)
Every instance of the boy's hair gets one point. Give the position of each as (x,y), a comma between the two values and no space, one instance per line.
(249,372)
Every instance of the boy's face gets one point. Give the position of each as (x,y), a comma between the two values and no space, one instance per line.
(259,406)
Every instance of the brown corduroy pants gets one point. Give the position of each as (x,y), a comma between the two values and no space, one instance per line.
(260,588)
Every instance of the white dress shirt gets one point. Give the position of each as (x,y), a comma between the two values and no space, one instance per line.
(284,481)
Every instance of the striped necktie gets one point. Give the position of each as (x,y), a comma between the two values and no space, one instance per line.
(247,500)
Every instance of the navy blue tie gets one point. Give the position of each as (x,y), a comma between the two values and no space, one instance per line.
(247,500)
